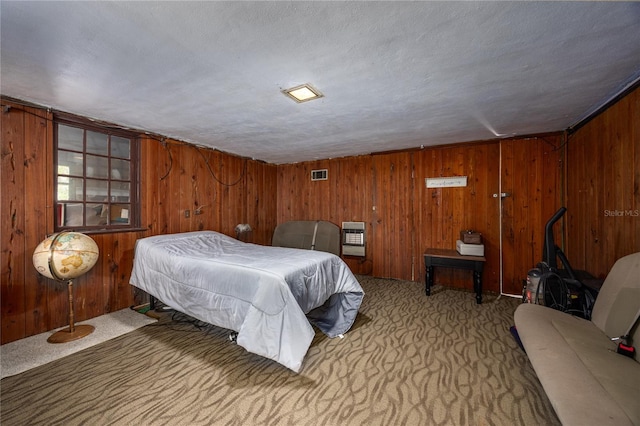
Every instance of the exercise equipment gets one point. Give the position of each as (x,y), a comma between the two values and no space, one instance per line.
(562,288)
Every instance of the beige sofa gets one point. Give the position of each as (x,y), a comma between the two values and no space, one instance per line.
(308,234)
(587,382)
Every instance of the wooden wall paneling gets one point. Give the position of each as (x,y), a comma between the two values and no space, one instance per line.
(317,200)
(123,254)
(447,275)
(611,181)
(460,199)
(523,189)
(438,203)
(432,202)
(336,198)
(478,209)
(208,197)
(541,178)
(117,254)
(323,193)
(252,181)
(575,194)
(508,207)
(242,192)
(602,187)
(531,171)
(299,198)
(269,194)
(191,182)
(151,161)
(381,228)
(441,213)
(288,194)
(592,202)
(600,181)
(461,212)
(233,188)
(12,226)
(485,175)
(106,295)
(172,194)
(217,174)
(38,167)
(305,200)
(157,168)
(207,193)
(551,176)
(423,213)
(175,208)
(268,203)
(91,290)
(620,188)
(188,177)
(201,202)
(351,201)
(393,216)
(262,201)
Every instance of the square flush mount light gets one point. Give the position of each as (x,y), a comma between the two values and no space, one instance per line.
(303,93)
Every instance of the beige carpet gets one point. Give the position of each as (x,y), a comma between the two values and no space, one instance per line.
(33,351)
(409,360)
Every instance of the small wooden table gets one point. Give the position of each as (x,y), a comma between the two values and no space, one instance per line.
(452,259)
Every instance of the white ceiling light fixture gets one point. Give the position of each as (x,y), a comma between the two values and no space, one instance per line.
(303,93)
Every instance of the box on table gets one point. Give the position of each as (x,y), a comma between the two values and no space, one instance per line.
(470,249)
(470,237)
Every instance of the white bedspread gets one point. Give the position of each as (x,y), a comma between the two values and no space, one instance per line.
(267,294)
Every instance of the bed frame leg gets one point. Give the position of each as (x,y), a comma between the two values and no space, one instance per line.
(152,303)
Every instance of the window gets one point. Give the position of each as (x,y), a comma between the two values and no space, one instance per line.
(96,183)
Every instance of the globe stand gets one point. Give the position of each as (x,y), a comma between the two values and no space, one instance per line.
(72,332)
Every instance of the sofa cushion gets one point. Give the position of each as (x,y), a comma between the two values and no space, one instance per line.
(619,300)
(587,382)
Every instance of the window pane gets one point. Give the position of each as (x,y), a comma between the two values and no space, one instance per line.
(120,191)
(97,143)
(120,214)
(96,214)
(97,190)
(70,137)
(120,169)
(72,214)
(120,147)
(69,163)
(69,189)
(97,167)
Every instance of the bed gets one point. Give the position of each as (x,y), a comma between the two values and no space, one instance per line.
(270,296)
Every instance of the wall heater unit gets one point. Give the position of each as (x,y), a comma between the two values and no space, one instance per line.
(353,238)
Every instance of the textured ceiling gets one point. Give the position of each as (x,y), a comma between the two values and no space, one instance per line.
(394,75)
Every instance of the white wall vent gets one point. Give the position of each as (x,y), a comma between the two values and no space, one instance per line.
(319,174)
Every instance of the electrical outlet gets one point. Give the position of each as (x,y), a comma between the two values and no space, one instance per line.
(187,213)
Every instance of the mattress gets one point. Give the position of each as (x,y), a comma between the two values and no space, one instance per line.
(269,295)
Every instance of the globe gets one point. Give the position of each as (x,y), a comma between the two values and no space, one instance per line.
(65,255)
